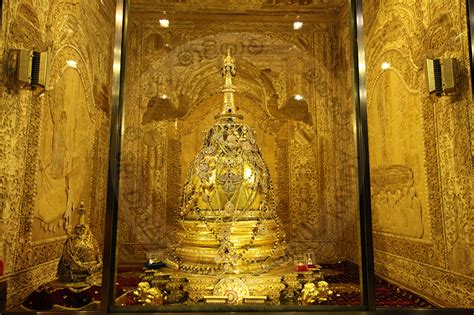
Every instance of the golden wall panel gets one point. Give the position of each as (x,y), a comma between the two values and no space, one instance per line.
(420,147)
(55,147)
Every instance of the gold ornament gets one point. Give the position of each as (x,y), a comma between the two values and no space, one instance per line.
(228,222)
(147,295)
(312,294)
(81,257)
(232,288)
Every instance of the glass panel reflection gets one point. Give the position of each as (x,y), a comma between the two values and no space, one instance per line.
(239,182)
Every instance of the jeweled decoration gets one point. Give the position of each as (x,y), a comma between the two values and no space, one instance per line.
(81,257)
(227,223)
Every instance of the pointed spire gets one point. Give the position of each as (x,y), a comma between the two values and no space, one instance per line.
(228,72)
(82,212)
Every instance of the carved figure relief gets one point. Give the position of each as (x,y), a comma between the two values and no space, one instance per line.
(396,206)
(65,150)
(395,137)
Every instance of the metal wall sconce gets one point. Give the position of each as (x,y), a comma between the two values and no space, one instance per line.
(440,76)
(28,69)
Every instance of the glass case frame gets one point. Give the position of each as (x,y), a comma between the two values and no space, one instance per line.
(117,112)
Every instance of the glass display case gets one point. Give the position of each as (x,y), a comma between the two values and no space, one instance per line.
(240,151)
(213,156)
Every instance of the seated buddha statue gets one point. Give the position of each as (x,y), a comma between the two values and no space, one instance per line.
(81,257)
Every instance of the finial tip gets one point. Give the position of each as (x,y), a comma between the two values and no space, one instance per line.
(228,59)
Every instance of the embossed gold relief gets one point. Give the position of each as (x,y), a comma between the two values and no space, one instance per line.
(65,149)
(420,149)
(172,89)
(81,257)
(397,208)
(52,145)
(395,139)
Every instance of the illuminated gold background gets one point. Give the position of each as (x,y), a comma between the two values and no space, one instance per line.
(173,92)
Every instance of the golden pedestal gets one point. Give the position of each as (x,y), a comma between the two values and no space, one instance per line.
(278,285)
(237,289)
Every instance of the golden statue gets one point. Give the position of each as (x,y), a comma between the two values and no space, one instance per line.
(147,295)
(228,222)
(312,294)
(81,257)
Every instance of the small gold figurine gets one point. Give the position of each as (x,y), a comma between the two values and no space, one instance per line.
(81,257)
(147,295)
(312,294)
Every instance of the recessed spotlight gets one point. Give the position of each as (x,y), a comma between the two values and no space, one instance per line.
(164,23)
(71,63)
(297,25)
(385,65)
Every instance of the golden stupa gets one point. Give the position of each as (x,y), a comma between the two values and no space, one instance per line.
(227,222)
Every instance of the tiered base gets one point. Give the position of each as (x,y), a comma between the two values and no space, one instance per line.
(253,246)
(267,288)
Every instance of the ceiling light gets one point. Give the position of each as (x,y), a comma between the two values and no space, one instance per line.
(163,96)
(297,25)
(71,63)
(164,23)
(298,97)
(385,65)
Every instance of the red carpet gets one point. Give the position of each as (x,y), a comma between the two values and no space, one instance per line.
(386,294)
